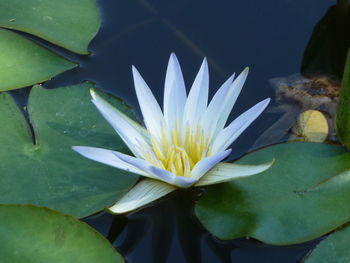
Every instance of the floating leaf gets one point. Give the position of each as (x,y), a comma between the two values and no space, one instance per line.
(24,63)
(49,173)
(69,24)
(311,126)
(343,109)
(34,234)
(292,202)
(334,249)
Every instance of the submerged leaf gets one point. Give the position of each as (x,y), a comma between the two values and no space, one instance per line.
(34,234)
(311,126)
(301,197)
(48,172)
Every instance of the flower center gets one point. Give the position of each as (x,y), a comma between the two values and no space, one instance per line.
(178,161)
(179,154)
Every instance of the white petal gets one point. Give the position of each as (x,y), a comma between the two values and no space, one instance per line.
(212,114)
(140,164)
(230,100)
(184,182)
(206,164)
(174,93)
(197,99)
(107,157)
(225,138)
(112,113)
(224,172)
(130,131)
(156,172)
(151,112)
(141,194)
(170,178)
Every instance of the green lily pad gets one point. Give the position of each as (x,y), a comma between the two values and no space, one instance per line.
(24,63)
(69,24)
(334,249)
(304,195)
(48,172)
(32,234)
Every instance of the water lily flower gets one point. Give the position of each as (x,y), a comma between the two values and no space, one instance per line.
(181,146)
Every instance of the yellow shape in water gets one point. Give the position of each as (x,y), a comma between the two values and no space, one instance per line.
(312,126)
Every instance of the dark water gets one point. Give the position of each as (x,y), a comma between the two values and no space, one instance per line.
(268,36)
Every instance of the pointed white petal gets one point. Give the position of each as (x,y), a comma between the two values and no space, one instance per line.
(212,114)
(225,138)
(174,93)
(156,172)
(197,99)
(140,164)
(130,131)
(207,163)
(230,100)
(114,114)
(141,194)
(224,172)
(107,157)
(151,112)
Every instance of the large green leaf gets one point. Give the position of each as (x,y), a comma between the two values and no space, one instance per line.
(301,197)
(24,63)
(334,249)
(32,234)
(68,23)
(48,173)
(343,109)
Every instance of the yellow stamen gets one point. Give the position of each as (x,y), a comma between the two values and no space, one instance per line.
(164,140)
(180,155)
(157,150)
